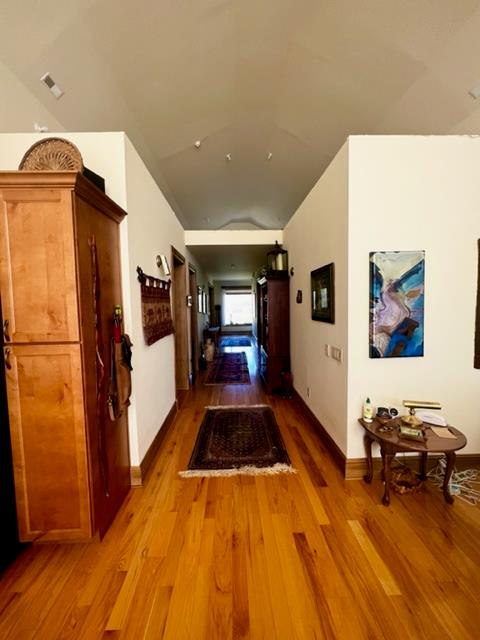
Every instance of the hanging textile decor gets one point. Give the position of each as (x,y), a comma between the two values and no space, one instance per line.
(156,310)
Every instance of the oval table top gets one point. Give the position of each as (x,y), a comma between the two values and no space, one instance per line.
(432,443)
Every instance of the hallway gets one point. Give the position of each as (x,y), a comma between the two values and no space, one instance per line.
(304,555)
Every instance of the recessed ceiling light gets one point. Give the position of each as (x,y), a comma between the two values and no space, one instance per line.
(197,144)
(270,155)
(228,157)
(52,85)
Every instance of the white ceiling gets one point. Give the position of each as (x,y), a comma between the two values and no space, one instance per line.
(248,77)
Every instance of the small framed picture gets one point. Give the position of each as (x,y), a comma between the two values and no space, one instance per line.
(323,293)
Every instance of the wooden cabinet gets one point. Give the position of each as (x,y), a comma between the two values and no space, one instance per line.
(273,329)
(59,283)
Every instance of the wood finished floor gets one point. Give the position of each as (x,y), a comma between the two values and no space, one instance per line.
(292,556)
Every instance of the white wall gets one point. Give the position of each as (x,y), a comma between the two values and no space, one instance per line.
(409,193)
(315,236)
(152,229)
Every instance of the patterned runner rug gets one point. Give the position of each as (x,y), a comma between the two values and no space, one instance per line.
(238,440)
(235,341)
(228,368)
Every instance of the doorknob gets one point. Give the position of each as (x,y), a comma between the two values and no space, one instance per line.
(8,364)
(5,331)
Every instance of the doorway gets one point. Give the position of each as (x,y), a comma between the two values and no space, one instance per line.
(179,307)
(194,347)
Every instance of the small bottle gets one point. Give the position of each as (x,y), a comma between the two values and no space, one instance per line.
(368,410)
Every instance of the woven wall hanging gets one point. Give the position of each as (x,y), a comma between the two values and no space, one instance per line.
(156,311)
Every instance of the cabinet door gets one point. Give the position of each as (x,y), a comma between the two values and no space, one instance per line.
(44,389)
(37,265)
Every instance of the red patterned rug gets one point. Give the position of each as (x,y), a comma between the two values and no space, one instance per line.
(236,440)
(228,368)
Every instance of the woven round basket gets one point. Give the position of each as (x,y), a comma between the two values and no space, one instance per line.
(404,480)
(52,154)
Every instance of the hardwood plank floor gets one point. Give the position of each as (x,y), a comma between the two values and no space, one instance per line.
(301,556)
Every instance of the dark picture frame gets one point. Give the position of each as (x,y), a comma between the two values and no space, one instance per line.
(323,293)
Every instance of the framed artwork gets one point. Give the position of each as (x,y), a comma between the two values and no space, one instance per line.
(397,280)
(323,293)
(200,299)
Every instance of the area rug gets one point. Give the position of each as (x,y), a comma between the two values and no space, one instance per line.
(235,440)
(228,368)
(235,341)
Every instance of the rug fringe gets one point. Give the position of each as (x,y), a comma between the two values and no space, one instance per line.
(244,471)
(237,406)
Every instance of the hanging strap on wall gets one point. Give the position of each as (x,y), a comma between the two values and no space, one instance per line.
(99,369)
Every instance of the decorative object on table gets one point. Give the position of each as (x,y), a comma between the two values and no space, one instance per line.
(411,433)
(396,303)
(384,413)
(385,417)
(476,361)
(156,310)
(237,440)
(228,368)
(411,420)
(277,259)
(323,293)
(368,410)
(58,154)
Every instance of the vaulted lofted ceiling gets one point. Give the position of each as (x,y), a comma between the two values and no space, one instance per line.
(276,84)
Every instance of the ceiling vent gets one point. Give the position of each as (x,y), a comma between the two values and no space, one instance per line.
(52,85)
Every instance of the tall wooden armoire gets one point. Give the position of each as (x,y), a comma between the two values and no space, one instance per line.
(273,329)
(59,283)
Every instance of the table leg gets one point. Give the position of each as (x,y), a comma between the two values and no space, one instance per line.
(451,456)
(423,465)
(368,449)
(387,472)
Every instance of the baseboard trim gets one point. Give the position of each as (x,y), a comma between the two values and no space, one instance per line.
(334,450)
(356,468)
(139,474)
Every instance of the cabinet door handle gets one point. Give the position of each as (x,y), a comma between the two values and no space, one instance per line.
(6,337)
(8,364)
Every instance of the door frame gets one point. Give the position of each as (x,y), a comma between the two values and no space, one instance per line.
(194,345)
(180,323)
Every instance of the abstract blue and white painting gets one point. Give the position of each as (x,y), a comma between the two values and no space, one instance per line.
(397,280)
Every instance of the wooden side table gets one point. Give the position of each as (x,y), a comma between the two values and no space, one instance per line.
(390,444)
